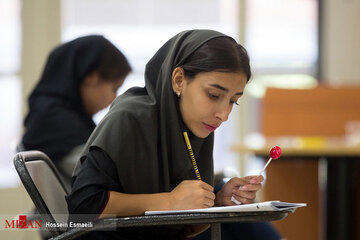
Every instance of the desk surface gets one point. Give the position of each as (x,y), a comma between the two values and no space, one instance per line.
(293,151)
(193,218)
(176,219)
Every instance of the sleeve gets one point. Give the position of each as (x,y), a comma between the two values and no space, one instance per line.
(90,188)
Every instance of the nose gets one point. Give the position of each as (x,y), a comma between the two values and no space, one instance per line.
(223,113)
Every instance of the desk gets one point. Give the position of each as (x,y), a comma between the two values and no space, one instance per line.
(215,219)
(341,212)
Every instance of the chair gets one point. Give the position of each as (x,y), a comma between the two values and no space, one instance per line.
(44,185)
(46,188)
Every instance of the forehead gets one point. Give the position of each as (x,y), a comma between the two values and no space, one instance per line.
(234,82)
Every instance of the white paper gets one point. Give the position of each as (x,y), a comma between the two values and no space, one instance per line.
(254,207)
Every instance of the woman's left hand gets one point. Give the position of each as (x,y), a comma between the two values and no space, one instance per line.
(246,194)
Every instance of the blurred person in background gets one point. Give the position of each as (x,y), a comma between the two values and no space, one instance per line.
(80,78)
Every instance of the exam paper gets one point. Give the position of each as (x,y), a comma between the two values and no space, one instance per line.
(254,207)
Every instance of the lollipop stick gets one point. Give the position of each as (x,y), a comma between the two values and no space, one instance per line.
(235,201)
(261,172)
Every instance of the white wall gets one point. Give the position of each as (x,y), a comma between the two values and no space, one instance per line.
(341,41)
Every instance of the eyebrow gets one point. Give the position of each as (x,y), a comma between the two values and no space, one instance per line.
(224,89)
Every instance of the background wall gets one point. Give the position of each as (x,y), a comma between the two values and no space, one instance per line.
(341,42)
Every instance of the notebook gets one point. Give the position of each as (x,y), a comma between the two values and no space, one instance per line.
(254,207)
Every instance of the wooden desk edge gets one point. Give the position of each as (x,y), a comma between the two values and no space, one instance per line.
(336,151)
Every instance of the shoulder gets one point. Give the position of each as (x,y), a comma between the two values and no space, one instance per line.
(59,119)
(61,114)
(133,110)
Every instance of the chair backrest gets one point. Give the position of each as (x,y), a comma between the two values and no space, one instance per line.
(45,186)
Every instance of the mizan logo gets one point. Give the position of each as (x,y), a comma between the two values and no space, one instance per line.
(22,222)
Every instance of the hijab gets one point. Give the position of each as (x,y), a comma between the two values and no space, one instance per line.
(57,121)
(143,130)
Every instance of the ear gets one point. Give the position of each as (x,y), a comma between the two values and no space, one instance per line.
(177,80)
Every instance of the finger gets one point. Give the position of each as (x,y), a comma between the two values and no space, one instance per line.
(251,187)
(247,195)
(208,203)
(227,202)
(210,195)
(248,178)
(235,181)
(255,179)
(243,200)
(261,178)
(206,186)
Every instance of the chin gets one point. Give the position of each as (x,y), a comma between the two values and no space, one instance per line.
(200,134)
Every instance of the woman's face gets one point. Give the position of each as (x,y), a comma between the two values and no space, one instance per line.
(207,99)
(98,93)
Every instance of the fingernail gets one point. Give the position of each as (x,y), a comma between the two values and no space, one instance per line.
(253,181)
(243,188)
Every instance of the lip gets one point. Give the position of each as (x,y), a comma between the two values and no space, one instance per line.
(209,127)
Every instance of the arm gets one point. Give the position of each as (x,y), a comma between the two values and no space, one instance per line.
(189,194)
(122,204)
(98,177)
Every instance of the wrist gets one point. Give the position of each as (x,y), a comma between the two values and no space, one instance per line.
(156,202)
(168,201)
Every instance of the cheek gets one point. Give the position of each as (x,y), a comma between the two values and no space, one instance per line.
(198,107)
(106,97)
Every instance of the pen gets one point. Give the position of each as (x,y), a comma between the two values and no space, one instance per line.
(191,155)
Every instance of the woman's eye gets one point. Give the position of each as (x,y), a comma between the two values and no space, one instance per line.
(232,102)
(212,96)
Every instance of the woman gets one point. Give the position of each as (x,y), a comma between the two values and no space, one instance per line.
(80,78)
(137,158)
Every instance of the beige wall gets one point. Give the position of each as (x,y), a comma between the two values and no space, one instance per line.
(341,41)
(41,31)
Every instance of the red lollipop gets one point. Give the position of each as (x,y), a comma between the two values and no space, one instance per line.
(275,153)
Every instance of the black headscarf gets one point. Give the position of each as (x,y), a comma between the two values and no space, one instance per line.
(142,132)
(57,121)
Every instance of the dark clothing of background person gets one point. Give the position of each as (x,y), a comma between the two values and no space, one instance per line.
(57,122)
